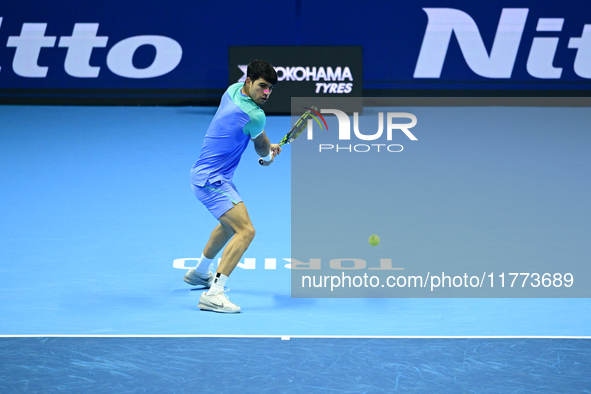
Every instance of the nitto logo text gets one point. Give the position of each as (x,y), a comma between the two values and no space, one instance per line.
(80,45)
(501,60)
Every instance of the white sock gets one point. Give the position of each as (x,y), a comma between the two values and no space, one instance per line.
(218,284)
(203,266)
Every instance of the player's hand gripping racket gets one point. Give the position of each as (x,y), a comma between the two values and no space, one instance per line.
(296,130)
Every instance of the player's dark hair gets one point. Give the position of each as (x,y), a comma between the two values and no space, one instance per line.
(261,69)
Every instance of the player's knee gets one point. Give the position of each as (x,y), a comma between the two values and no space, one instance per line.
(249,233)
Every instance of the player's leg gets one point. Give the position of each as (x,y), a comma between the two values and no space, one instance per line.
(218,198)
(200,275)
(238,220)
(218,239)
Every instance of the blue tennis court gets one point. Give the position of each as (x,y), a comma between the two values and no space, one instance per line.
(98,216)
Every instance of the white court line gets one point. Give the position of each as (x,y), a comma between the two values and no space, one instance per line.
(288,337)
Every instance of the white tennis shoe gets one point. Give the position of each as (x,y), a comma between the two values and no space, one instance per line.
(217,302)
(195,279)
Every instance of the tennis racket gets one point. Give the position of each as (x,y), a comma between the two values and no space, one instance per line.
(296,130)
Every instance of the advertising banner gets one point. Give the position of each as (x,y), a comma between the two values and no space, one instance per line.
(303,71)
(179,52)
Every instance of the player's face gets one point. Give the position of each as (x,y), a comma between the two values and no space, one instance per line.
(259,90)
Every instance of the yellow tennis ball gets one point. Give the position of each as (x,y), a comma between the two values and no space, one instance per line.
(374,240)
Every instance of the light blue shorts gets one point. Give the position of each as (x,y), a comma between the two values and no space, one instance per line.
(218,197)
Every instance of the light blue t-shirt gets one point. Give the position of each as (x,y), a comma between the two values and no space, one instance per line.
(237,120)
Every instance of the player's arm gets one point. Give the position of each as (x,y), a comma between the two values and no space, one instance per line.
(263,147)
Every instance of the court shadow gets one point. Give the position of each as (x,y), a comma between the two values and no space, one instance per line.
(181,291)
(283,301)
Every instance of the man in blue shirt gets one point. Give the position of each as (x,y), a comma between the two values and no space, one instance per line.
(238,120)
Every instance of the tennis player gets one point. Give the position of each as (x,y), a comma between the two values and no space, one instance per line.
(238,120)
